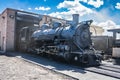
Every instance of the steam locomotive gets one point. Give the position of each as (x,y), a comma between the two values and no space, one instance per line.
(71,41)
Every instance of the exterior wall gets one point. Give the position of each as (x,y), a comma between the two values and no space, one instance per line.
(3,27)
(10,30)
(7,26)
(103,43)
(48,19)
(116,52)
(96,30)
(45,19)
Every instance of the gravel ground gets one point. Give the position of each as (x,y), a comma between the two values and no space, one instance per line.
(12,68)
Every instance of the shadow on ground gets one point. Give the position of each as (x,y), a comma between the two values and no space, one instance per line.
(55,65)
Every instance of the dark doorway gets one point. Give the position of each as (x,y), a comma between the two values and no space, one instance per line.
(24,19)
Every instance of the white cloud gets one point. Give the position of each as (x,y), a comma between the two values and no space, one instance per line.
(84,1)
(21,9)
(100,18)
(95,3)
(29,8)
(42,8)
(73,7)
(109,24)
(62,15)
(117,6)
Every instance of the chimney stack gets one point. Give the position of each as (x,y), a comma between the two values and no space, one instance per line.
(75,19)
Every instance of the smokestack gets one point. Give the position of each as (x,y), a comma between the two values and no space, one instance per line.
(75,19)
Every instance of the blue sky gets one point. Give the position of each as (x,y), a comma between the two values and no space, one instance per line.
(105,13)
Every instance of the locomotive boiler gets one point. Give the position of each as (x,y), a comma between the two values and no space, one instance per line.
(72,41)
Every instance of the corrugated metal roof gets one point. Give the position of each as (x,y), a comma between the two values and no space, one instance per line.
(114,30)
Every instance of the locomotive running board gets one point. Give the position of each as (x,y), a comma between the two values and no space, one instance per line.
(76,52)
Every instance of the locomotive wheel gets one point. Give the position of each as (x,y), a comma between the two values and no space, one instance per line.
(67,57)
(85,59)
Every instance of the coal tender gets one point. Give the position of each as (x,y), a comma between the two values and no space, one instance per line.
(72,41)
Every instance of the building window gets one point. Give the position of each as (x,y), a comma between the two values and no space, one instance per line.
(3,17)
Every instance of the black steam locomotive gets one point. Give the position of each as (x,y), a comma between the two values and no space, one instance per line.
(71,42)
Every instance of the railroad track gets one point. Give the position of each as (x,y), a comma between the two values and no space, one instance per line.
(105,69)
(108,70)
(111,66)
